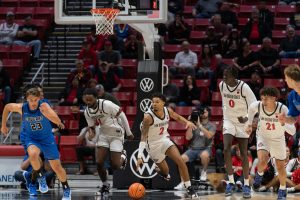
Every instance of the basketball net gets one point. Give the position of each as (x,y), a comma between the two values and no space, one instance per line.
(104,20)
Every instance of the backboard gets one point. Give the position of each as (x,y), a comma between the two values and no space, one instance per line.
(132,11)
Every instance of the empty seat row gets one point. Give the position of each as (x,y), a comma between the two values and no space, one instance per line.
(27,3)
(22,12)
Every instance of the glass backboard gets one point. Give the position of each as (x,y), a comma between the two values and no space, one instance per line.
(132,11)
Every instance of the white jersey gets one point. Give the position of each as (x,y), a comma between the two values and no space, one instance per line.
(235,100)
(268,123)
(159,128)
(105,115)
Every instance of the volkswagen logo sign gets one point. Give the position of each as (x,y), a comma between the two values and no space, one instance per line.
(147,169)
(145,104)
(146,84)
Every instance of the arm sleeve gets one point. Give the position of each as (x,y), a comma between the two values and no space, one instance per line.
(289,128)
(253,109)
(293,111)
(89,120)
(125,123)
(248,94)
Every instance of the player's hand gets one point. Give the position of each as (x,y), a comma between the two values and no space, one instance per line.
(130,137)
(4,130)
(139,162)
(281,118)
(249,129)
(190,125)
(61,125)
(242,119)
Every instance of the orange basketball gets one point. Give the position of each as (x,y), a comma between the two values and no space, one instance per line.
(136,191)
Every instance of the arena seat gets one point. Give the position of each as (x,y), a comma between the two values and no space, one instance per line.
(219,126)
(197,48)
(179,140)
(47,3)
(285,10)
(279,83)
(216,99)
(278,35)
(130,67)
(228,61)
(9,3)
(23,12)
(64,112)
(73,127)
(44,13)
(67,149)
(177,82)
(29,3)
(245,10)
(21,52)
(204,85)
(216,113)
(201,24)
(197,37)
(281,22)
(12,150)
(184,111)
(169,62)
(242,22)
(255,47)
(287,61)
(190,2)
(190,23)
(14,67)
(187,11)
(128,85)
(170,50)
(4,51)
(176,128)
(4,10)
(131,113)
(124,97)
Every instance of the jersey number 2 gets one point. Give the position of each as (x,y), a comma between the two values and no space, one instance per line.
(270,126)
(36,126)
(161,130)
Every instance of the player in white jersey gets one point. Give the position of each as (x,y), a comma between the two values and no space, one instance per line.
(113,125)
(270,135)
(236,97)
(154,133)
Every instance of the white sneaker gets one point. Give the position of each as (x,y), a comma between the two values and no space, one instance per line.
(180,186)
(290,190)
(203,176)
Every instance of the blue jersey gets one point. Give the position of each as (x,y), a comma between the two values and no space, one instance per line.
(34,124)
(294,104)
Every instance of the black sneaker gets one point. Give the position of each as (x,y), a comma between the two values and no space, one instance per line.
(191,192)
(124,156)
(104,190)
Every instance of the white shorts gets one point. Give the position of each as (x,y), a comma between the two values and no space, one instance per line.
(157,150)
(113,143)
(237,130)
(276,148)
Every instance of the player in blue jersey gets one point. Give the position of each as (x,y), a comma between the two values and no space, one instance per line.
(37,117)
(292,78)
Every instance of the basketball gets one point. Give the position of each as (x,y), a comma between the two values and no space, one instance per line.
(136,191)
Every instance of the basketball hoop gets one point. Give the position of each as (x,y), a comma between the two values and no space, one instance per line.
(104,20)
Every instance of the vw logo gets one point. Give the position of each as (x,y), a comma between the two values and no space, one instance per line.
(147,169)
(146,84)
(145,104)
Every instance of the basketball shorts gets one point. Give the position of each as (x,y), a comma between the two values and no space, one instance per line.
(47,146)
(112,143)
(234,129)
(157,149)
(276,147)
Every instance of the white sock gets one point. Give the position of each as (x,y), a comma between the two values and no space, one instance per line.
(246,182)
(282,187)
(260,173)
(187,184)
(231,179)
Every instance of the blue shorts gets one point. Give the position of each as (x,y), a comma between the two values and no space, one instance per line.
(194,154)
(47,146)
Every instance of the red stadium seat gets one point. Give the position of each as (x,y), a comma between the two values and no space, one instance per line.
(9,3)
(14,68)
(23,12)
(12,150)
(29,3)
(184,111)
(228,61)
(197,37)
(170,50)
(4,51)
(134,98)
(245,10)
(179,140)
(216,113)
(176,128)
(277,36)
(73,127)
(64,112)
(21,52)
(204,85)
(124,97)
(128,85)
(68,149)
(47,3)
(44,13)
(4,10)
(285,11)
(177,82)
(197,48)
(190,2)
(281,22)
(190,23)
(287,61)
(216,99)
(130,67)
(219,126)
(242,22)
(169,62)
(201,24)
(131,113)
(279,83)
(255,47)
(187,12)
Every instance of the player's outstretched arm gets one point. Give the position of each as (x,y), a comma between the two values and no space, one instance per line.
(50,114)
(181,119)
(125,123)
(11,107)
(253,109)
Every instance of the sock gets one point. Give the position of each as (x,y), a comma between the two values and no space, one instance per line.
(36,174)
(246,182)
(292,189)
(231,179)
(282,187)
(65,184)
(260,173)
(105,183)
(187,184)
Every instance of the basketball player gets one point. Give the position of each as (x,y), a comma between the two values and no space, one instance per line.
(154,133)
(270,136)
(292,78)
(236,96)
(111,120)
(36,116)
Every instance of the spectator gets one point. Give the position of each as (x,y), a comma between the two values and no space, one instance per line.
(255,30)
(206,8)
(287,2)
(269,60)
(131,47)
(189,93)
(220,67)
(295,17)
(290,45)
(200,141)
(231,44)
(255,83)
(252,138)
(107,77)
(88,139)
(178,31)
(185,61)
(80,73)
(227,15)
(212,40)
(117,42)
(28,35)
(111,58)
(8,29)
(292,166)
(247,61)
(265,15)
(122,31)
(175,6)
(92,83)
(207,63)
(102,94)
(88,56)
(5,84)
(220,28)
(72,96)
(96,41)
(171,92)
